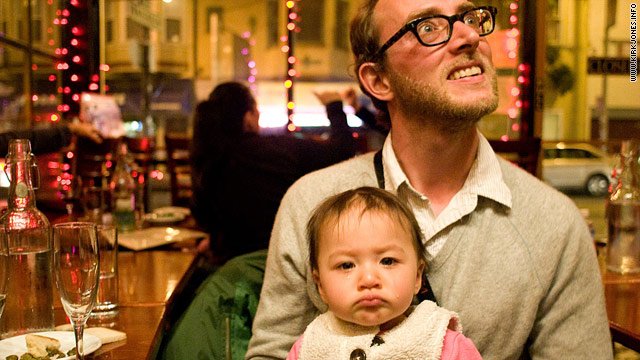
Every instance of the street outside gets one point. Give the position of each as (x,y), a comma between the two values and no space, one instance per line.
(596,206)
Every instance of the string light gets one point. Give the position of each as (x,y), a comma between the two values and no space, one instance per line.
(251,64)
(522,79)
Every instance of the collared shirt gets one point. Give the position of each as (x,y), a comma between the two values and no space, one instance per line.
(484,179)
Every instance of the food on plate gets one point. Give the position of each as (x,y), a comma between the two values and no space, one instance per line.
(41,348)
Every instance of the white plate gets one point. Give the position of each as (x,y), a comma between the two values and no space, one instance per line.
(17,345)
(167,214)
(164,218)
(173,209)
(156,236)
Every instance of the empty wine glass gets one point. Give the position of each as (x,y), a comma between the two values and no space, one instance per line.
(76,265)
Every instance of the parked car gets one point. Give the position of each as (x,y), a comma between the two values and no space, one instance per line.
(577,166)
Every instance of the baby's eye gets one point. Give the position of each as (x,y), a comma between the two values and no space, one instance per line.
(388,261)
(346,266)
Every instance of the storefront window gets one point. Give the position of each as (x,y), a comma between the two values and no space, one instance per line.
(13,79)
(29,78)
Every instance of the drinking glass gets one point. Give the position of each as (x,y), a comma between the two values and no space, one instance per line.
(4,271)
(76,262)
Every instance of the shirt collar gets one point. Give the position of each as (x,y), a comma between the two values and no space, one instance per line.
(484,179)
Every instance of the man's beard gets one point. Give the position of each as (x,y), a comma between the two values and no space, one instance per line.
(431,103)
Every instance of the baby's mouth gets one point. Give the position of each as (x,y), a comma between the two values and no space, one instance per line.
(465,72)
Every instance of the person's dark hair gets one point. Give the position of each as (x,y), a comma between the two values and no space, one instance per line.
(367,199)
(219,121)
(365,38)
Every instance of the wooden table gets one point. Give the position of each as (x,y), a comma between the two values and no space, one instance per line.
(149,282)
(622,294)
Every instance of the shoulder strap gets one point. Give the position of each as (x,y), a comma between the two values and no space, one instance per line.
(377,163)
(426,293)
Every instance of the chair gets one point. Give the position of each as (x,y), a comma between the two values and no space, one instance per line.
(524,152)
(217,317)
(94,161)
(179,168)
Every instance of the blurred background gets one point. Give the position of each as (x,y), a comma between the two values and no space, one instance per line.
(563,69)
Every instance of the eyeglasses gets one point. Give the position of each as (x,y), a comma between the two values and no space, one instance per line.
(435,30)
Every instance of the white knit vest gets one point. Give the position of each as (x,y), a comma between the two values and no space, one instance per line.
(419,336)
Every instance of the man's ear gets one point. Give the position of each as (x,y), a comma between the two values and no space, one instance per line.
(316,279)
(375,81)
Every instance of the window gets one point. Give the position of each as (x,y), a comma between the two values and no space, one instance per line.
(22,34)
(36,30)
(214,11)
(108,31)
(272,23)
(312,21)
(342,25)
(137,31)
(173,30)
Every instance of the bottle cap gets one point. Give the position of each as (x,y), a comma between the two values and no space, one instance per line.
(19,150)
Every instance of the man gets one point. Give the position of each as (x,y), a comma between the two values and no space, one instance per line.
(509,254)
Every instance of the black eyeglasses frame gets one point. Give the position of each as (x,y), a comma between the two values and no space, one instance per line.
(413,25)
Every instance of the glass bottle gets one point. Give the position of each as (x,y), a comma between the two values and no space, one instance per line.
(123,187)
(623,215)
(29,303)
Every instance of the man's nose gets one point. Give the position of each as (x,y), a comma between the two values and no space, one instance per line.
(464,37)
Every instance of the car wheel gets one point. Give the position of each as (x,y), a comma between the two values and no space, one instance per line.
(597,185)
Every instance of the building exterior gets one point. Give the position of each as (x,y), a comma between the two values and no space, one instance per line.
(162,57)
(578,28)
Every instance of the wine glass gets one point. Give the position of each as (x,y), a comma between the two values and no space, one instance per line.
(70,189)
(76,265)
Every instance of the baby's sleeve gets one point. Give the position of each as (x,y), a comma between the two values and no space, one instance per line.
(294,353)
(457,346)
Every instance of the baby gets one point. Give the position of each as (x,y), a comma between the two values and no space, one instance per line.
(367,258)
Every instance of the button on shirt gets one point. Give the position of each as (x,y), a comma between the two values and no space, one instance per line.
(484,179)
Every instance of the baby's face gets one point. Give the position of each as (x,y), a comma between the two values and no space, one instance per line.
(368,270)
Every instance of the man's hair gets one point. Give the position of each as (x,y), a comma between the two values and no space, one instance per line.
(367,199)
(365,37)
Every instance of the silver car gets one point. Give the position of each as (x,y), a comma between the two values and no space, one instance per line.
(577,166)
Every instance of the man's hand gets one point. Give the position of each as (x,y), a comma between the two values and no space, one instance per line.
(351,98)
(85,130)
(328,96)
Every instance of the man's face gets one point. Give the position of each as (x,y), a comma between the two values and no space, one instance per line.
(453,83)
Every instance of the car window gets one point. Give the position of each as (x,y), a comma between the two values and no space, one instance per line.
(575,154)
(550,153)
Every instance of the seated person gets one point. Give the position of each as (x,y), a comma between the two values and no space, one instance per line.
(509,254)
(239,176)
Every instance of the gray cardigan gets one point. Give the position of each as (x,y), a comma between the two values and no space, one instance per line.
(525,281)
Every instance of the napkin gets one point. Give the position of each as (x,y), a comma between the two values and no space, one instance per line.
(106,335)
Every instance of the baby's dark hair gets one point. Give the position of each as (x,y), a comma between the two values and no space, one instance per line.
(368,199)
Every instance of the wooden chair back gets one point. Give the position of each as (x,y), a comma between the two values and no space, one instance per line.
(524,153)
(179,168)
(95,161)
